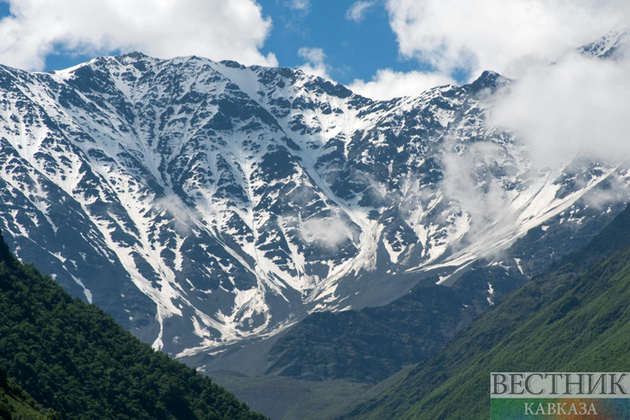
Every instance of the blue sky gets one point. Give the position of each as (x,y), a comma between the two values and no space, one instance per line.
(354,48)
(380,48)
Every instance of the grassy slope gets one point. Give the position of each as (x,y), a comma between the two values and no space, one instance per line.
(15,403)
(575,317)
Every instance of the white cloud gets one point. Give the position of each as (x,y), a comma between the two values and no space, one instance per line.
(299,5)
(357,11)
(315,62)
(216,29)
(330,232)
(466,182)
(181,217)
(388,84)
(578,105)
(498,35)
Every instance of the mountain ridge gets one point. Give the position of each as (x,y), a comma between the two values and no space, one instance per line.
(205,204)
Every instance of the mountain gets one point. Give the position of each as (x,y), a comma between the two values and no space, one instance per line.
(74,359)
(370,345)
(208,205)
(572,318)
(614,45)
(328,363)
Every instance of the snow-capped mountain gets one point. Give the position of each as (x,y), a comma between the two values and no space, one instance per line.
(204,203)
(614,45)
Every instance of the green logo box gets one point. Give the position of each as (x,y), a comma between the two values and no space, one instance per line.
(565,409)
(560,395)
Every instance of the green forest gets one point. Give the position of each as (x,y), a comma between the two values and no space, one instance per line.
(72,361)
(16,404)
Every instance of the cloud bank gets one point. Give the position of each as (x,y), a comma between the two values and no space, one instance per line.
(216,29)
(458,39)
(578,105)
(476,35)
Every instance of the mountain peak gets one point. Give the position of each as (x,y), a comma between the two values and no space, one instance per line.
(223,203)
(137,55)
(489,80)
(613,45)
(233,64)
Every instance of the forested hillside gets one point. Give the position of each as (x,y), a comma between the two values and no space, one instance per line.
(17,404)
(74,359)
(573,318)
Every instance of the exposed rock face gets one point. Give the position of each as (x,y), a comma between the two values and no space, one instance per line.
(204,203)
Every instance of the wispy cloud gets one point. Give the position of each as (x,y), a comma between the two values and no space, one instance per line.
(331,232)
(359,9)
(181,216)
(388,84)
(468,181)
(315,62)
(212,28)
(303,6)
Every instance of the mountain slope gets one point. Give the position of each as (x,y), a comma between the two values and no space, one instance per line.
(15,403)
(574,317)
(374,343)
(205,205)
(371,344)
(73,358)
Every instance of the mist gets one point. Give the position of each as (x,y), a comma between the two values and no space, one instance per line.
(578,105)
(331,232)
